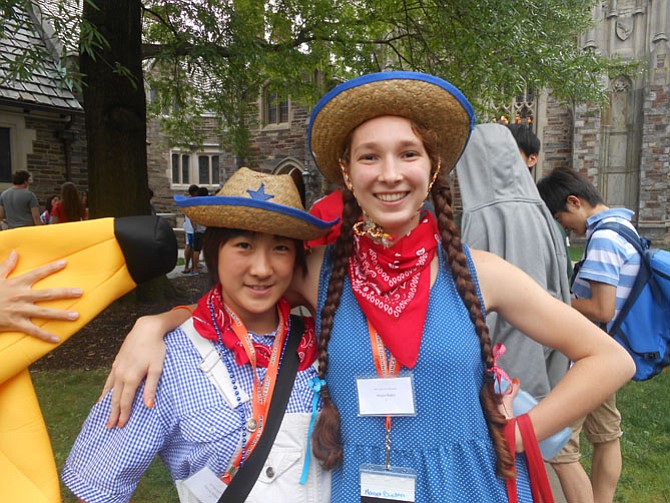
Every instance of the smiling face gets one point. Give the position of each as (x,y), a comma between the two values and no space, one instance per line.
(255,270)
(389,169)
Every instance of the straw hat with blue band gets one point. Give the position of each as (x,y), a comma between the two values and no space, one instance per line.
(257,202)
(425,99)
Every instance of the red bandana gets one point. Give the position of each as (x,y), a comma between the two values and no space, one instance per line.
(202,321)
(392,286)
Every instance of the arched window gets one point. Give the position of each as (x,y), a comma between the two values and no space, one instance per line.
(521,110)
(294,169)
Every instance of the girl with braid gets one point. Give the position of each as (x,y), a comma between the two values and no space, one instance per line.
(410,409)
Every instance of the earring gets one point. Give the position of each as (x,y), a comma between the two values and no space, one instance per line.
(432,181)
(346,177)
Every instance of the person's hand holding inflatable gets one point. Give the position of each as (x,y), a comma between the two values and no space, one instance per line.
(18,299)
(104,258)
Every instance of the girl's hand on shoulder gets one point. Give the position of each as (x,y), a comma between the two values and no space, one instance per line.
(141,356)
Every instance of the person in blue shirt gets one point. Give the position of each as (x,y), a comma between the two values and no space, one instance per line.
(599,289)
(222,364)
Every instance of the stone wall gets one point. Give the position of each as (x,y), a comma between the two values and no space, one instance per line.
(557,136)
(655,165)
(47,161)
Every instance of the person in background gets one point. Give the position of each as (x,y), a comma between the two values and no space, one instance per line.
(70,207)
(84,203)
(528,142)
(198,233)
(18,205)
(45,216)
(504,214)
(529,148)
(600,287)
(152,208)
(398,290)
(188,234)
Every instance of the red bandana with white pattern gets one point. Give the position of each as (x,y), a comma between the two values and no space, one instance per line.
(202,321)
(392,286)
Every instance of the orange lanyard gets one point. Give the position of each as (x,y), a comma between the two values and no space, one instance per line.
(262,393)
(385,368)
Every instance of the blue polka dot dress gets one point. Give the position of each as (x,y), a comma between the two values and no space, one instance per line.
(447,442)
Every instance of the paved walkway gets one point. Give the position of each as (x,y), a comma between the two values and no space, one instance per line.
(177,271)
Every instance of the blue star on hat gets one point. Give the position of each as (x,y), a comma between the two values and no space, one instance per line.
(260,195)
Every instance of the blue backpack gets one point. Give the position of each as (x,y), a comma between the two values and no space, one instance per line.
(643,324)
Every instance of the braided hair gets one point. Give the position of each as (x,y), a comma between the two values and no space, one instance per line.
(326,436)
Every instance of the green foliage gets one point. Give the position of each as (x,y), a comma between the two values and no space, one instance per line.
(217,55)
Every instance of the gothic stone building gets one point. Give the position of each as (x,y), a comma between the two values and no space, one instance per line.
(624,149)
(41,121)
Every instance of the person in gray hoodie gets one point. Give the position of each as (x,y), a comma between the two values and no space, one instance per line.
(504,214)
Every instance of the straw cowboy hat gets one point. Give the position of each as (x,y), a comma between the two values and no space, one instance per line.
(256,202)
(425,99)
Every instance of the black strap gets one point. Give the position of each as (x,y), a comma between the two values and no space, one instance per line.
(246,477)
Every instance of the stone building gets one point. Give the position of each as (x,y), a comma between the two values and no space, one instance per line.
(41,121)
(278,145)
(624,149)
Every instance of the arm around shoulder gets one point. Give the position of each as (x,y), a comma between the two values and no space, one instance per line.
(141,355)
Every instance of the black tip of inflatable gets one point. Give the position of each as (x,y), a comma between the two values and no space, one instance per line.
(149,246)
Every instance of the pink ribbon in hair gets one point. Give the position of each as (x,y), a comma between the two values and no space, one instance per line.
(498,373)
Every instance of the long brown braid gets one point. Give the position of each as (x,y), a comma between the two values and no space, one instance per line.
(326,437)
(455,257)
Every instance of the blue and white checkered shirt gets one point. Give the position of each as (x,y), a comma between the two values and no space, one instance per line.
(190,427)
(611,259)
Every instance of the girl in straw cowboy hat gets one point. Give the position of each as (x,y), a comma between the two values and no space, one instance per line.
(224,365)
(410,409)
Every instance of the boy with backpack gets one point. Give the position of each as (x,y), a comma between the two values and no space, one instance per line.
(600,287)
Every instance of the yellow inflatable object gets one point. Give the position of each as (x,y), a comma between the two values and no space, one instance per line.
(106,258)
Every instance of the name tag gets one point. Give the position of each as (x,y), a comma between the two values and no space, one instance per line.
(388,396)
(381,485)
(205,486)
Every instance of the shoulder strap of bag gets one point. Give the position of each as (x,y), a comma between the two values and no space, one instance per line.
(537,473)
(539,482)
(246,477)
(643,275)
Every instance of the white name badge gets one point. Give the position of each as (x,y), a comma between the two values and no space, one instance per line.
(386,396)
(205,486)
(381,485)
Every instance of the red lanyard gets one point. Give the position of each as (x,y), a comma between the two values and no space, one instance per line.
(385,367)
(262,394)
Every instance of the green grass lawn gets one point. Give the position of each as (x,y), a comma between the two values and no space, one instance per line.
(66,397)
(575,253)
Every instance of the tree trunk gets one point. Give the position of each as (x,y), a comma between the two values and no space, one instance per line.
(116,120)
(115,111)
